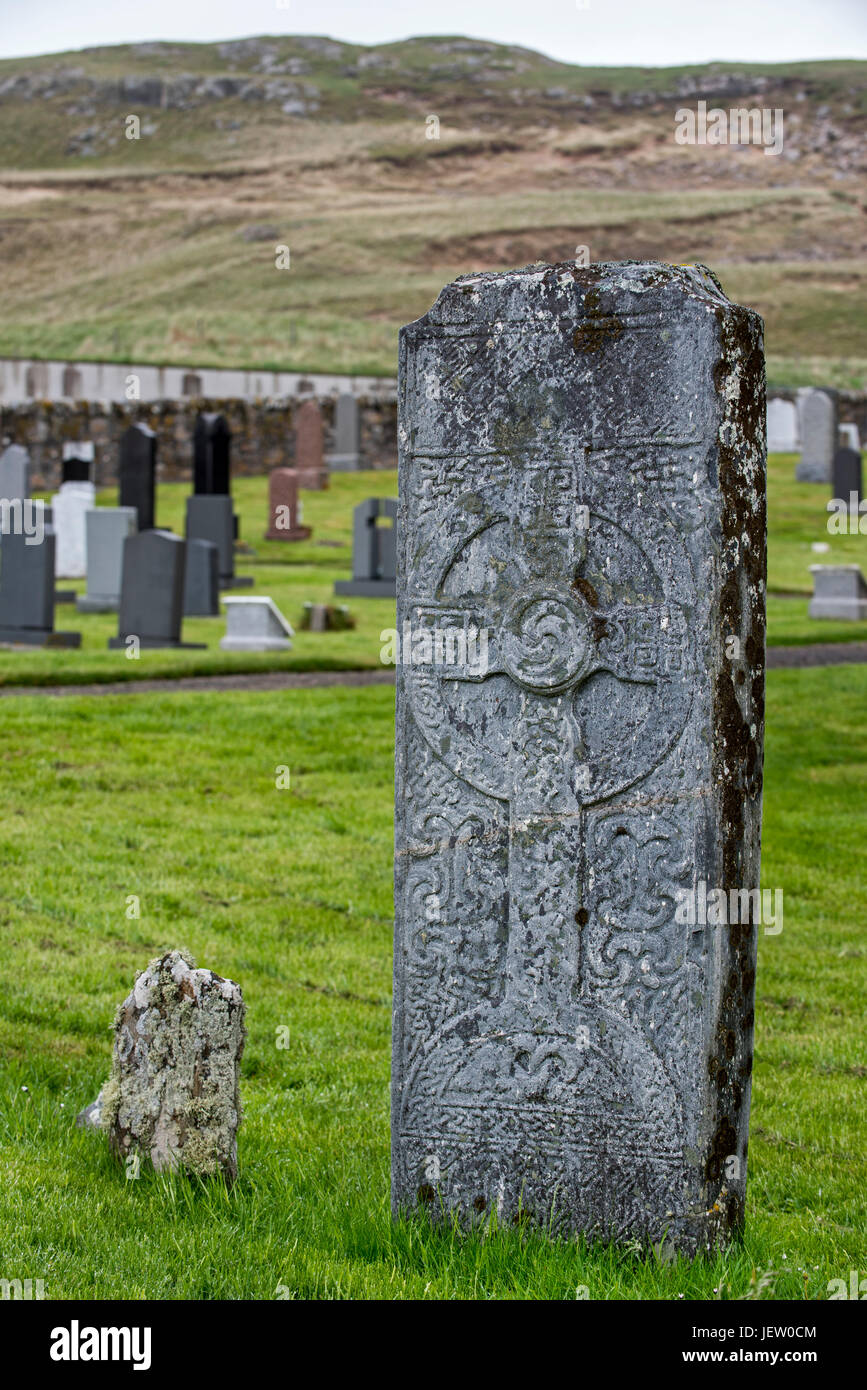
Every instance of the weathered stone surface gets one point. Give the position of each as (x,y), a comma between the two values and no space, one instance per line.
(173,1095)
(583,481)
(818,412)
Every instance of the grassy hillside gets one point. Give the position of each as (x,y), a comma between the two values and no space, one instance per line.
(162,248)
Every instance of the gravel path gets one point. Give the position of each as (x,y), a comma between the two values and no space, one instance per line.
(817,654)
(265,680)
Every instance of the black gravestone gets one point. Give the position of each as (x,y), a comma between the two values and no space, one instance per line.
(152,591)
(202,580)
(211,442)
(846,476)
(374,550)
(138,469)
(27,592)
(77,464)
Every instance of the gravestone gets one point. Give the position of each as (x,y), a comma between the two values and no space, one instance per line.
(284,507)
(839,592)
(211,444)
(106,529)
(374,550)
(152,591)
(783,435)
(172,1096)
(818,437)
(77,463)
(255,625)
(27,590)
(846,483)
(14,472)
(309,458)
(137,473)
(69,508)
(849,437)
(345,457)
(210,518)
(202,580)
(589,509)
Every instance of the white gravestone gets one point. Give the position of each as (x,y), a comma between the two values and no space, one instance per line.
(69,507)
(255,625)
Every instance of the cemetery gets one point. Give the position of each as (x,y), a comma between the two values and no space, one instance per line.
(433,823)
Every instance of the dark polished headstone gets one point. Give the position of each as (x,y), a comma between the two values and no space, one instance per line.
(137,473)
(210,518)
(27,593)
(77,466)
(211,444)
(847,476)
(374,550)
(152,591)
(202,580)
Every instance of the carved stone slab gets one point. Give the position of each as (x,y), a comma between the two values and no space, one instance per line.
(582,494)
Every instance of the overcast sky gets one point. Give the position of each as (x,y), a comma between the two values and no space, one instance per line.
(606,32)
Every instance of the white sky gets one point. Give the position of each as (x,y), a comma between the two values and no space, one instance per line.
(596,32)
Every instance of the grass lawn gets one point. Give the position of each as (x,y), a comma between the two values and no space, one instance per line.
(293,573)
(172,798)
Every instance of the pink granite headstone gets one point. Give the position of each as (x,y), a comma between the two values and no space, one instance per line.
(284,509)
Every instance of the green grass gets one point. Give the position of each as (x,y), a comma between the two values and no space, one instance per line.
(173,799)
(293,573)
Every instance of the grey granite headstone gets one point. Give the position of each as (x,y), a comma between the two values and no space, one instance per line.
(783,437)
(27,590)
(374,550)
(152,591)
(69,507)
(587,510)
(346,426)
(77,462)
(210,518)
(106,529)
(14,472)
(846,479)
(137,473)
(255,625)
(839,592)
(202,580)
(818,412)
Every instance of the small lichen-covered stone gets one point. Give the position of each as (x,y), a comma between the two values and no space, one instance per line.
(172,1095)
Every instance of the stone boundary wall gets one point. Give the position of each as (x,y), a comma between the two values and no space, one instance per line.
(262,434)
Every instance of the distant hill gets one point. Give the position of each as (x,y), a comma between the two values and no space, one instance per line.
(162,248)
